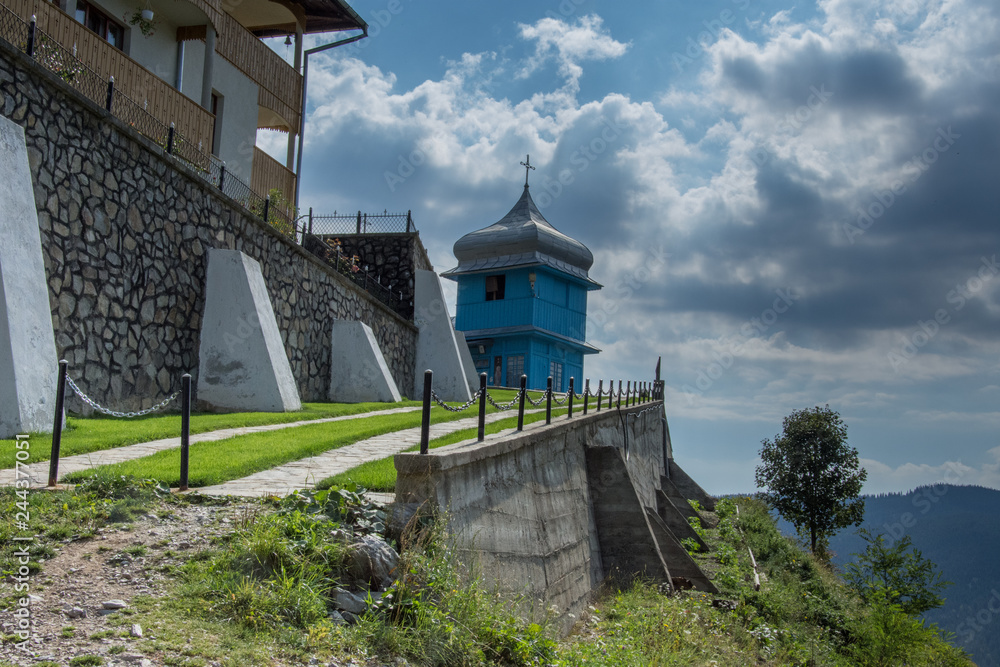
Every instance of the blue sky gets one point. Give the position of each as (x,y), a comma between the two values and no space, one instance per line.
(795,205)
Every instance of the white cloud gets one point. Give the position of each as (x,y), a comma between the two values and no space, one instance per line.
(885,478)
(569,45)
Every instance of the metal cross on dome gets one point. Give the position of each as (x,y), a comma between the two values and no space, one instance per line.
(527,166)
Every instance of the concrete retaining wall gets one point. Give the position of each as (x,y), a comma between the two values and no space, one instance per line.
(126,230)
(521,504)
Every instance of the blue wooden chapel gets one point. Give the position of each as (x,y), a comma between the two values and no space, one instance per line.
(522,299)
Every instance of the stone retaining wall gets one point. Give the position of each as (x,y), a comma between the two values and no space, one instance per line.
(125,231)
(394,258)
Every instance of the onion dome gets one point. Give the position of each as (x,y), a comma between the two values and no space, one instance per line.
(523,237)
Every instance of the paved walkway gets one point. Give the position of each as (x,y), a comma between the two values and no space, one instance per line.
(305,473)
(39,472)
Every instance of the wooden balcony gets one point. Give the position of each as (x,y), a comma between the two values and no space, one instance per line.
(166,104)
(279,85)
(269,174)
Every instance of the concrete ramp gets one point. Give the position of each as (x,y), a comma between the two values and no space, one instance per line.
(243,365)
(689,488)
(628,548)
(676,556)
(28,363)
(677,499)
(358,372)
(471,376)
(634,539)
(437,349)
(676,521)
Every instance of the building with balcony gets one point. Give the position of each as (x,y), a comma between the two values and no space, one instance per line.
(522,299)
(197,65)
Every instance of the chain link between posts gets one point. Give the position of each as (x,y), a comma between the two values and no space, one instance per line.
(505,406)
(537,403)
(449,408)
(114,413)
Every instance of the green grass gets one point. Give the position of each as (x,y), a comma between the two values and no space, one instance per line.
(233,458)
(380,474)
(802,615)
(85,435)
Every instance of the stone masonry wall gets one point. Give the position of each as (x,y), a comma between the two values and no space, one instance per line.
(393,258)
(125,230)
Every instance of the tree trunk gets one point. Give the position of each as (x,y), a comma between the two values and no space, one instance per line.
(812,531)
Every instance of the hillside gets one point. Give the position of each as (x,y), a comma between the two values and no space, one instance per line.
(957,527)
(121,572)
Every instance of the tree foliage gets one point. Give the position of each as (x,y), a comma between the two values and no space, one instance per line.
(812,476)
(896,572)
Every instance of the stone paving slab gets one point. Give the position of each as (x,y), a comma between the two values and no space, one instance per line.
(305,473)
(39,472)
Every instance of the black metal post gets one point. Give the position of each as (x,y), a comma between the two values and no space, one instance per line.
(548,402)
(611,393)
(58,421)
(222,177)
(409,222)
(520,403)
(185,429)
(586,394)
(359,222)
(267,207)
(482,407)
(425,415)
(569,401)
(170,140)
(30,48)
(310,219)
(618,404)
(600,392)
(111,92)
(628,393)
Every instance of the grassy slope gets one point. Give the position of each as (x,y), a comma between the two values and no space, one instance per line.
(85,435)
(802,615)
(244,600)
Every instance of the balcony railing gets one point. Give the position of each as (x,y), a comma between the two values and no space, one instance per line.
(83,49)
(279,85)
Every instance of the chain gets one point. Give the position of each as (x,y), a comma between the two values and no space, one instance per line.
(506,406)
(558,402)
(475,397)
(537,403)
(100,408)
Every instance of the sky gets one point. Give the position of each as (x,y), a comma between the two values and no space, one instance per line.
(792,204)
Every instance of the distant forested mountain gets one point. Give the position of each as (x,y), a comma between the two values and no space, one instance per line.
(957,527)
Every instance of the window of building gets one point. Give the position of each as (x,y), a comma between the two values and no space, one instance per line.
(515,369)
(217,105)
(556,370)
(105,26)
(495,287)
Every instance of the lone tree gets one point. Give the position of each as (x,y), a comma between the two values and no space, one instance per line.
(812,475)
(897,573)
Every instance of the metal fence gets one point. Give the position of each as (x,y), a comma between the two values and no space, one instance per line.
(632,394)
(361,223)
